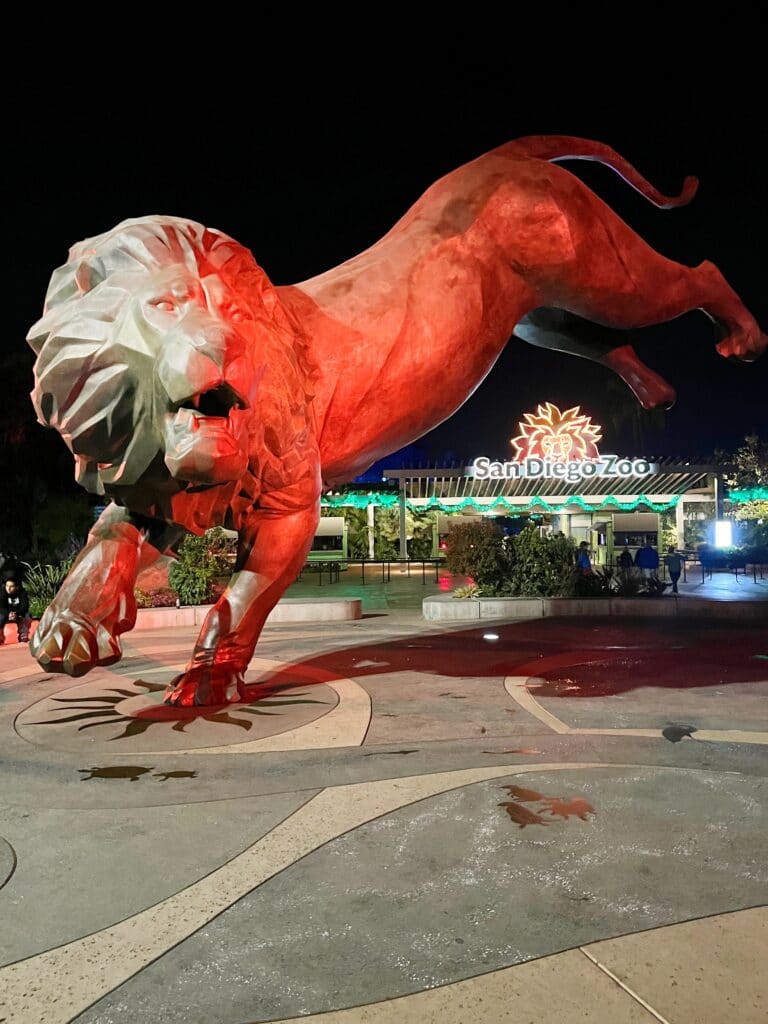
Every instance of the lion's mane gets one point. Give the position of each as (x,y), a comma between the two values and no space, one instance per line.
(96,374)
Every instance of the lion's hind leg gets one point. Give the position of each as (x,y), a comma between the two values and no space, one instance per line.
(577,255)
(616,279)
(562,331)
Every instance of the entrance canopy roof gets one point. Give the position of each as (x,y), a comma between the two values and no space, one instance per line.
(673,478)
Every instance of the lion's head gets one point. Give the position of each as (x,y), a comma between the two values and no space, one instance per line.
(162,341)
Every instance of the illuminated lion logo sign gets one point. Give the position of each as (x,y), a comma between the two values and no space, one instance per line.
(192,392)
(568,436)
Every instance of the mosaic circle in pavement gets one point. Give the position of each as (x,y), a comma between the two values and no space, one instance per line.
(108,714)
(7,861)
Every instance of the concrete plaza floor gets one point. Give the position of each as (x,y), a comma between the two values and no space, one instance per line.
(541,821)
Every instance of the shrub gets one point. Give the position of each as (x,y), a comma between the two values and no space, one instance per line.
(604,582)
(221,549)
(478,550)
(193,573)
(597,583)
(525,565)
(541,566)
(387,537)
(627,584)
(668,524)
(463,593)
(36,607)
(357,530)
(162,597)
(756,555)
(42,583)
(653,588)
(201,564)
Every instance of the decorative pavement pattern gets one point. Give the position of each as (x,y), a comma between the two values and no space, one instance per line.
(545,821)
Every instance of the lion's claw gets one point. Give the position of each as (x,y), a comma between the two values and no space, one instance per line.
(73,644)
(207,685)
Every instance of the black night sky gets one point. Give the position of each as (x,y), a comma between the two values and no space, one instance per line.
(307,183)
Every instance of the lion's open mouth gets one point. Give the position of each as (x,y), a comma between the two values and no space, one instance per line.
(216,402)
(206,437)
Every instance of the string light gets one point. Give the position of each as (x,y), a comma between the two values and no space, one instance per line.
(362,500)
(752,494)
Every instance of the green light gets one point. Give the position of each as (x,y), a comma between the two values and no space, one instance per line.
(752,494)
(360,500)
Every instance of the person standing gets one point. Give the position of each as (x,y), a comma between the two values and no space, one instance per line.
(14,607)
(674,563)
(624,562)
(583,563)
(647,560)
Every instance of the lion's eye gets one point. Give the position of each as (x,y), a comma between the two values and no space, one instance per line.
(166,305)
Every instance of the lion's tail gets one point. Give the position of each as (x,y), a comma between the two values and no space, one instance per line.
(565,147)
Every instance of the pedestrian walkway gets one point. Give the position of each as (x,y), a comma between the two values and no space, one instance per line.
(725,586)
(402,823)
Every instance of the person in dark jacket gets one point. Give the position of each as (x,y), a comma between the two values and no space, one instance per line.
(647,559)
(583,563)
(674,562)
(14,607)
(624,562)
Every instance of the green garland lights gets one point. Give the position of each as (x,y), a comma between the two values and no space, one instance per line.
(752,494)
(358,499)
(362,500)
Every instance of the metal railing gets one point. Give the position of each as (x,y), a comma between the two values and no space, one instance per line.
(757,570)
(635,570)
(333,568)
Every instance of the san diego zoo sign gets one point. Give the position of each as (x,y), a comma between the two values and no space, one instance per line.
(555,445)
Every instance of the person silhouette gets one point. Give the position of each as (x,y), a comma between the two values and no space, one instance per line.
(583,563)
(624,562)
(674,563)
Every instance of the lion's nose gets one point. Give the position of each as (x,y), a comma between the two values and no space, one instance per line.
(185,372)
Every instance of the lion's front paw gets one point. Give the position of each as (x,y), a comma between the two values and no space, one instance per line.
(207,685)
(66,641)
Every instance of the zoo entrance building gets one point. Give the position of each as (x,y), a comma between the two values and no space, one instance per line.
(557,478)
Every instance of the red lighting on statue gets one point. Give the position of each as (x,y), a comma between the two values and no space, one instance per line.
(192,392)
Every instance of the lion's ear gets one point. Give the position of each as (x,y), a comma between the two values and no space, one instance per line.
(88,273)
(70,282)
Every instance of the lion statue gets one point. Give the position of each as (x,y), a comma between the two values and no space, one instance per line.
(192,392)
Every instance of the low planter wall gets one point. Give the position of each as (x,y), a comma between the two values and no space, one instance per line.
(444,608)
(290,609)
